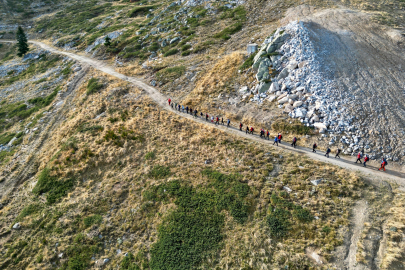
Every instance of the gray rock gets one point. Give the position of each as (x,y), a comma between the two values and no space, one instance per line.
(316,182)
(263,72)
(297,104)
(264,87)
(106,260)
(77,69)
(16,226)
(283,74)
(283,100)
(274,87)
(176,39)
(10,143)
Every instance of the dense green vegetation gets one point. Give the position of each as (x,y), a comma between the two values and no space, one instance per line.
(54,188)
(194,230)
(93,86)
(280,217)
(170,74)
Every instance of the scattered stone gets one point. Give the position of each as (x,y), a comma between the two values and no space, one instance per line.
(16,226)
(316,182)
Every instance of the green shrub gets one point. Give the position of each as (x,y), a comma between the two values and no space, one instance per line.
(302,214)
(93,86)
(150,155)
(326,229)
(159,172)
(154,47)
(278,222)
(43,102)
(80,253)
(171,52)
(90,220)
(228,31)
(55,189)
(185,47)
(237,14)
(295,127)
(29,210)
(170,74)
(185,53)
(139,10)
(5,138)
(248,62)
(128,263)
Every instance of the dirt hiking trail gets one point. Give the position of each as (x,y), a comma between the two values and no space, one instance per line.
(369,172)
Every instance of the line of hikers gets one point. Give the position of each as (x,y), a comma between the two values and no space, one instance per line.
(266,134)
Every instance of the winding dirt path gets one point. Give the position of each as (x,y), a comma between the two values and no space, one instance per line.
(369,172)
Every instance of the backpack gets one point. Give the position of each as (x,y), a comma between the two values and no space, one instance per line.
(386,163)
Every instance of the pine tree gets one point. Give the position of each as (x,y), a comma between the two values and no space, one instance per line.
(107,41)
(22,42)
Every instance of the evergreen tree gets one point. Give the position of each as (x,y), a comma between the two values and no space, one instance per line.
(107,41)
(22,42)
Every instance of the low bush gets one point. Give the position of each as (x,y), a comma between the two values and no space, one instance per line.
(170,74)
(93,86)
(295,127)
(91,220)
(54,187)
(139,10)
(226,33)
(159,172)
(171,52)
(248,62)
(150,155)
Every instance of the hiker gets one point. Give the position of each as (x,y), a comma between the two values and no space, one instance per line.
(251,130)
(240,126)
(228,122)
(327,152)
(206,117)
(359,157)
(169,101)
(268,135)
(182,108)
(280,137)
(201,114)
(217,122)
(338,153)
(261,133)
(179,107)
(275,140)
(222,121)
(383,163)
(294,142)
(187,109)
(171,105)
(247,129)
(195,113)
(212,119)
(314,147)
(366,158)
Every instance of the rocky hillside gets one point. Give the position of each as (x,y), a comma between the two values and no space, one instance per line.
(94,174)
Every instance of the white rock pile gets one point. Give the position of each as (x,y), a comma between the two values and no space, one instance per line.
(300,86)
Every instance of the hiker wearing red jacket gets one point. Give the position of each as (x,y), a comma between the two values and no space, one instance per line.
(279,137)
(251,130)
(240,126)
(365,160)
(217,121)
(268,135)
(359,157)
(169,101)
(383,163)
